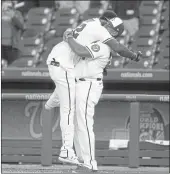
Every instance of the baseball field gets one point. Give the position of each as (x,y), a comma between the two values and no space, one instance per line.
(67,169)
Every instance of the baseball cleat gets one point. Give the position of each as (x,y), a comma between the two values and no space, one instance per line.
(70,160)
(83,167)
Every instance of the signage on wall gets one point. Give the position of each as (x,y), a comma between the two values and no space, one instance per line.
(153,128)
(33,110)
(152,124)
(23,120)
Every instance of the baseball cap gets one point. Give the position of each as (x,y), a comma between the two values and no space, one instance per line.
(117,24)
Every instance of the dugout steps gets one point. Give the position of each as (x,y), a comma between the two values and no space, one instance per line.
(29,152)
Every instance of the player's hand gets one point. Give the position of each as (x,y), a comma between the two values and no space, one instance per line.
(138,56)
(68,33)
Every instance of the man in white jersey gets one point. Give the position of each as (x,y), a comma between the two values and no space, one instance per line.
(61,68)
(89,86)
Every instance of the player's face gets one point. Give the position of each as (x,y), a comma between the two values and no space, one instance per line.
(111,30)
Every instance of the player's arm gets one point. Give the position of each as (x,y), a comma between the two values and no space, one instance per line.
(120,49)
(104,36)
(93,50)
(78,48)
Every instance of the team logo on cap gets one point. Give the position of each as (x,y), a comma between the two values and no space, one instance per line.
(95,47)
(116,21)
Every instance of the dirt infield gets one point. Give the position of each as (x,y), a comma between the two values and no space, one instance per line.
(66,169)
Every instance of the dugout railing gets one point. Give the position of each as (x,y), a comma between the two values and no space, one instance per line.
(134,99)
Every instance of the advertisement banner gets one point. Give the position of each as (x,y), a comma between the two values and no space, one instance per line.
(113,74)
(23,120)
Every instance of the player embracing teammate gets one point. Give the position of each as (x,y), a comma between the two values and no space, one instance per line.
(76,66)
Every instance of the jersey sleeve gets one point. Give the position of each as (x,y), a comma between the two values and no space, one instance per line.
(98,50)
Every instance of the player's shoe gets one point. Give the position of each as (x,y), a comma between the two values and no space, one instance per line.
(66,157)
(88,168)
(70,160)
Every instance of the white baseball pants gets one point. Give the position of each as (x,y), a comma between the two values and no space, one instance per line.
(65,91)
(87,96)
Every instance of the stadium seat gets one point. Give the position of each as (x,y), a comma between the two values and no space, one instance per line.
(49,35)
(31,52)
(148,51)
(22,62)
(49,3)
(42,11)
(162,59)
(163,64)
(63,19)
(150,10)
(39,19)
(32,38)
(144,42)
(149,20)
(165,5)
(165,33)
(32,41)
(142,64)
(118,61)
(92,13)
(165,15)
(33,44)
(150,3)
(164,42)
(147,36)
(147,45)
(148,31)
(164,19)
(95,4)
(164,53)
(164,26)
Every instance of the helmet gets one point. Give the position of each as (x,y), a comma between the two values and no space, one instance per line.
(117,25)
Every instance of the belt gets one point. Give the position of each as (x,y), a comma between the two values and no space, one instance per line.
(83,79)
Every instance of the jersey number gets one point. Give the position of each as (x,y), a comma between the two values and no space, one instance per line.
(78,30)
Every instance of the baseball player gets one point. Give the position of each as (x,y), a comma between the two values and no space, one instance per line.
(61,69)
(89,86)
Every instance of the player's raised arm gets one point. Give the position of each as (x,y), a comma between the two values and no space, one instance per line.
(79,49)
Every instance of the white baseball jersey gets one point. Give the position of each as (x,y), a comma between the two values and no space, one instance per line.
(88,32)
(93,67)
(62,53)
